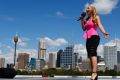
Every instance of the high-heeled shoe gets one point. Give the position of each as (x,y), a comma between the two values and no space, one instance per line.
(94,76)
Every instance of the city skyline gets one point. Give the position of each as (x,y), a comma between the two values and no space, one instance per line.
(53,21)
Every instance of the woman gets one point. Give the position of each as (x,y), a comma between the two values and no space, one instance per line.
(92,38)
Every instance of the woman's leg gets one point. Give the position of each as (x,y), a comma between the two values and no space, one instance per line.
(93,61)
(91,64)
(91,46)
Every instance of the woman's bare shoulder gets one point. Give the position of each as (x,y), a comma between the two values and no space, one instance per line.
(97,16)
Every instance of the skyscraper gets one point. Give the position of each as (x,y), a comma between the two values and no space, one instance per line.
(58,57)
(76,59)
(118,57)
(2,62)
(33,63)
(110,56)
(80,59)
(52,61)
(67,58)
(42,50)
(23,60)
(37,64)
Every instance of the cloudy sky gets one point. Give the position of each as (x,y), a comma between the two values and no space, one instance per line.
(55,22)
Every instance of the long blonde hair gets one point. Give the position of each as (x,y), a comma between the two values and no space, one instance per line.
(94,13)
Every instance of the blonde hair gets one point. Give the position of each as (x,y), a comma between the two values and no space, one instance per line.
(94,13)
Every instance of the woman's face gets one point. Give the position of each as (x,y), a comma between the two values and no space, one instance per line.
(89,10)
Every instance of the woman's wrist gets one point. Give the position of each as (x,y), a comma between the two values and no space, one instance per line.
(105,33)
(82,20)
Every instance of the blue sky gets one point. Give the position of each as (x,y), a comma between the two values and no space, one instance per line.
(52,20)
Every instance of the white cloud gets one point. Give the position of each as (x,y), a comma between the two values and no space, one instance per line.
(25,39)
(54,43)
(10,18)
(7,18)
(9,57)
(113,43)
(59,13)
(81,49)
(22,44)
(110,43)
(7,52)
(0,53)
(104,6)
(22,41)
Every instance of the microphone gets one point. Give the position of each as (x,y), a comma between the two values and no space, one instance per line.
(83,14)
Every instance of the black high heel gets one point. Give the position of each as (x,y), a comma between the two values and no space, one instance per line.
(96,78)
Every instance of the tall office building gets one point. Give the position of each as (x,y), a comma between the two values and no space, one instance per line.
(23,60)
(118,57)
(37,64)
(76,59)
(58,57)
(42,50)
(67,58)
(52,61)
(80,59)
(42,63)
(110,56)
(33,63)
(2,62)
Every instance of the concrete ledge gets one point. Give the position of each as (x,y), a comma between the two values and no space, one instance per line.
(38,76)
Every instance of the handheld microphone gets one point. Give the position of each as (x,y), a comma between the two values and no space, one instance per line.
(83,14)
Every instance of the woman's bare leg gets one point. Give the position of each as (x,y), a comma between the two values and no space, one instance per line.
(93,61)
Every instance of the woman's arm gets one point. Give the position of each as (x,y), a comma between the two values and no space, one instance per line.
(83,24)
(106,35)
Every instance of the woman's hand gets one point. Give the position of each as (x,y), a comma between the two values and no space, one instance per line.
(106,35)
(83,22)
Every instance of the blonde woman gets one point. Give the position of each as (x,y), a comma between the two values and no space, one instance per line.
(92,37)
